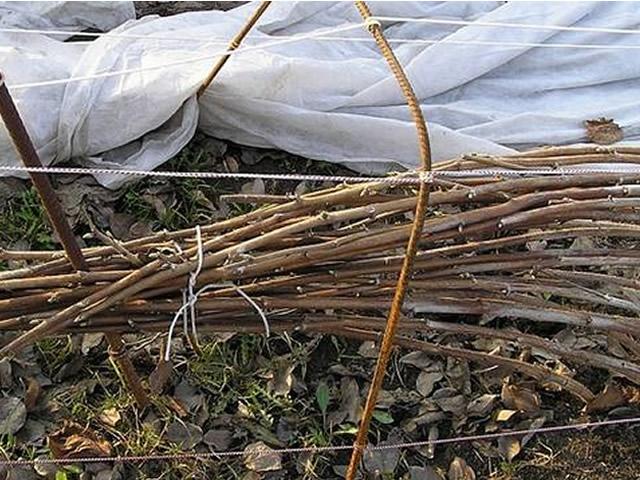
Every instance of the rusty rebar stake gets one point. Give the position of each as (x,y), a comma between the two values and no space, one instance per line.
(29,156)
(402,285)
(233,45)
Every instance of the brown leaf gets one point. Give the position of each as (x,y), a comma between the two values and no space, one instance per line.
(459,470)
(89,341)
(632,394)
(186,435)
(482,405)
(426,381)
(219,439)
(509,447)
(609,398)
(32,394)
(424,473)
(504,415)
(281,380)
(521,399)
(13,415)
(603,131)
(159,377)
(110,417)
(349,409)
(259,457)
(74,441)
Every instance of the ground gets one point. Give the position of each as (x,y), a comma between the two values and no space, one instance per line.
(284,391)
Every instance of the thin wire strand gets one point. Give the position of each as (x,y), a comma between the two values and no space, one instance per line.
(116,73)
(193,279)
(585,46)
(412,41)
(481,23)
(330,448)
(427,177)
(433,21)
(314,35)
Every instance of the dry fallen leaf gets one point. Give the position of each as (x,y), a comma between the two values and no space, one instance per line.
(13,414)
(603,131)
(459,470)
(89,341)
(424,473)
(632,394)
(482,406)
(74,441)
(32,394)
(349,409)
(281,379)
(504,415)
(381,462)
(509,447)
(608,399)
(259,457)
(187,435)
(110,417)
(516,398)
(426,381)
(368,349)
(218,439)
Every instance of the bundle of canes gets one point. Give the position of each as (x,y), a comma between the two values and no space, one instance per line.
(557,250)
(541,252)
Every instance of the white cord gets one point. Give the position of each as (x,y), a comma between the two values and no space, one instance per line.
(411,41)
(267,329)
(480,23)
(397,180)
(182,309)
(116,73)
(193,278)
(434,21)
(189,298)
(324,35)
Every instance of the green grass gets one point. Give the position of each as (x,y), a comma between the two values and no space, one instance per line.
(192,197)
(23,219)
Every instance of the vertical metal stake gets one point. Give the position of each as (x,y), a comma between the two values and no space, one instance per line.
(27,152)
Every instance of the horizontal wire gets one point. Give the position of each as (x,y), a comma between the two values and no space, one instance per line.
(116,73)
(434,21)
(330,448)
(418,41)
(410,41)
(413,41)
(481,23)
(324,36)
(421,177)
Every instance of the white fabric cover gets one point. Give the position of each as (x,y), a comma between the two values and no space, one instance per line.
(330,100)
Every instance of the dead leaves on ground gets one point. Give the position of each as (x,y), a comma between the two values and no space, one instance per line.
(74,441)
(611,397)
(459,470)
(259,457)
(521,399)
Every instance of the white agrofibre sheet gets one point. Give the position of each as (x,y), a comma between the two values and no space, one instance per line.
(331,98)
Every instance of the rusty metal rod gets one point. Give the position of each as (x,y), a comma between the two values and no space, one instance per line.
(29,156)
(233,45)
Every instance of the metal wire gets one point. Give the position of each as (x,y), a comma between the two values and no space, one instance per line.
(416,179)
(327,449)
